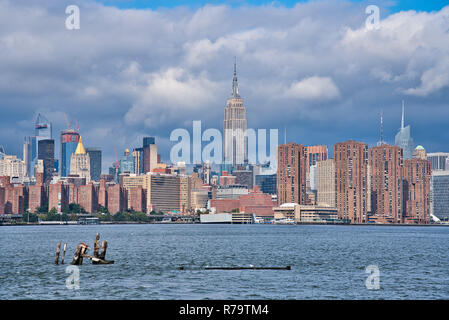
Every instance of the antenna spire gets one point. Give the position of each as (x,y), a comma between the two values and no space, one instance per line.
(381,141)
(235,86)
(403,115)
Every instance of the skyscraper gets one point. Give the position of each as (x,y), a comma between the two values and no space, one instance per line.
(403,138)
(325,181)
(42,131)
(291,173)
(416,202)
(127,163)
(46,153)
(95,163)
(69,143)
(149,154)
(80,162)
(386,183)
(234,127)
(352,181)
(438,160)
(138,160)
(440,194)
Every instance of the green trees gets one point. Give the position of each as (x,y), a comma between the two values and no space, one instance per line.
(73,208)
(29,217)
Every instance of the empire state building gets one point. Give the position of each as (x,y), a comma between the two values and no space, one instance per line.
(234,127)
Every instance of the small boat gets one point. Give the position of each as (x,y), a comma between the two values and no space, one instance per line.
(284,221)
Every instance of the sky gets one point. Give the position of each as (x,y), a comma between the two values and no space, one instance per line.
(145,68)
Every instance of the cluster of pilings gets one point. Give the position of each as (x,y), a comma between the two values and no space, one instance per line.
(98,257)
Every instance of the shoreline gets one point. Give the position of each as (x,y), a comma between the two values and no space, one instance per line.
(57,223)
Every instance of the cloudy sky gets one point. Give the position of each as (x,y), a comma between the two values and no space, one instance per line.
(145,68)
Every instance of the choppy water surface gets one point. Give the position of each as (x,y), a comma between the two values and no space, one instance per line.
(328,262)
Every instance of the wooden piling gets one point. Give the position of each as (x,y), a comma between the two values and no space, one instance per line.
(58,250)
(96,245)
(76,256)
(79,253)
(104,246)
(63,253)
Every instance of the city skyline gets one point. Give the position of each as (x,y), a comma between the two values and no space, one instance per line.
(322,99)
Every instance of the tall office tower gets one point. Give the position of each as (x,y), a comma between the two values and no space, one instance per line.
(206,172)
(440,194)
(148,140)
(43,127)
(420,153)
(149,154)
(127,163)
(80,162)
(438,160)
(416,194)
(234,127)
(46,153)
(27,155)
(138,160)
(403,138)
(325,183)
(185,193)
(95,163)
(69,143)
(386,183)
(352,184)
(42,131)
(291,173)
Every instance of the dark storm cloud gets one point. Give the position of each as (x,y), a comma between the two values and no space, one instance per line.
(313,69)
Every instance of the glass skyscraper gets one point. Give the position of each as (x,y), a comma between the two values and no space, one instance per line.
(42,131)
(69,142)
(95,163)
(440,194)
(438,160)
(403,138)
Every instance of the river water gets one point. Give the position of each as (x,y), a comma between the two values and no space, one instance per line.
(327,262)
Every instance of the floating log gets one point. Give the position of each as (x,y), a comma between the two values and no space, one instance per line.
(243,268)
(63,253)
(97,260)
(58,250)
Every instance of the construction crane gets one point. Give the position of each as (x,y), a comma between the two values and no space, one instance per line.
(67,120)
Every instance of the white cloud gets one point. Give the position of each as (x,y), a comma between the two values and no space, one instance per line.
(148,71)
(313,88)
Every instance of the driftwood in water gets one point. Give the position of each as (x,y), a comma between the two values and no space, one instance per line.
(63,253)
(96,260)
(243,268)
(248,268)
(58,250)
